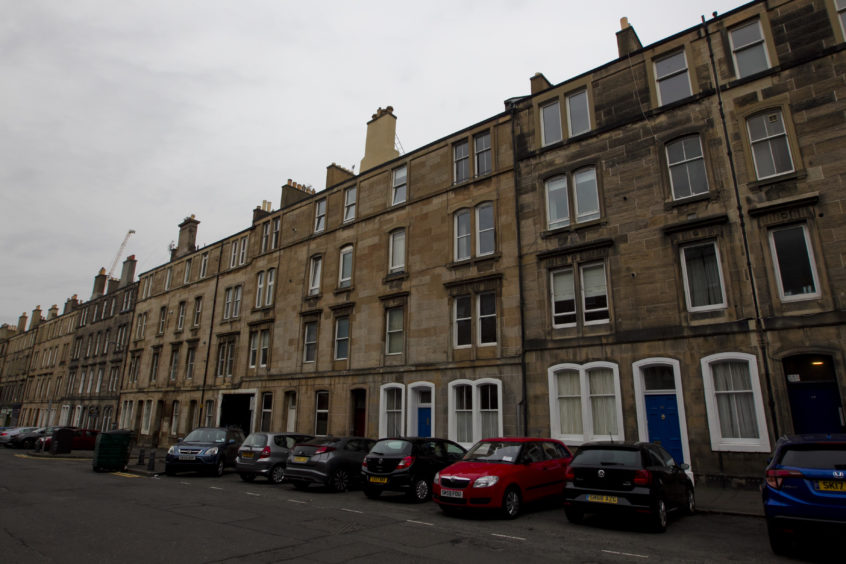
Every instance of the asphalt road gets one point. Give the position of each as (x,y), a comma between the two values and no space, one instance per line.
(54,510)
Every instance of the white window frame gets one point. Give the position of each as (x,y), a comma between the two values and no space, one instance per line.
(242,255)
(341,339)
(550,137)
(233,254)
(553,186)
(686,277)
(180,317)
(572,100)
(399,185)
(274,241)
(461,236)
(480,230)
(269,285)
(476,412)
(456,320)
(585,396)
(461,161)
(770,140)
(320,215)
(187,275)
(345,278)
(168,278)
(761,41)
(259,289)
(812,264)
(349,203)
(396,251)
(671,75)
(314,275)
(265,236)
(264,348)
(198,310)
(309,343)
(174,418)
(383,410)
(390,335)
(686,163)
(718,443)
(480,317)
(204,266)
(318,411)
(190,360)
(253,349)
(585,215)
(483,155)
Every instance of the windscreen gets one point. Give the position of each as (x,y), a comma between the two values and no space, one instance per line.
(494,451)
(206,436)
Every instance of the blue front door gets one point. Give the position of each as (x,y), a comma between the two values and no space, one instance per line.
(662,420)
(424,421)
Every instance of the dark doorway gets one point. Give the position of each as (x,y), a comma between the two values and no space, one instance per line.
(235,411)
(814,394)
(359,412)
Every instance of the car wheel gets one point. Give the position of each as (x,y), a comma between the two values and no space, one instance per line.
(29,444)
(339,480)
(690,508)
(218,469)
(372,493)
(779,541)
(420,490)
(247,476)
(659,519)
(511,503)
(574,515)
(300,485)
(169,471)
(276,474)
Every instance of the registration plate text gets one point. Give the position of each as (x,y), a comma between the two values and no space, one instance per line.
(602,498)
(377,480)
(452,493)
(300,459)
(832,485)
(187,457)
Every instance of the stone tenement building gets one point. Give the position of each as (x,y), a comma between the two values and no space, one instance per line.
(653,250)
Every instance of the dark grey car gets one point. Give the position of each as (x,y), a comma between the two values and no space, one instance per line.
(334,462)
(265,454)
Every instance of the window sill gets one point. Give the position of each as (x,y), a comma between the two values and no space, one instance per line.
(695,199)
(341,290)
(773,180)
(493,257)
(570,228)
(395,277)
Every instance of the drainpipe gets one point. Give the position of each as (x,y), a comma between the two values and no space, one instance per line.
(513,109)
(760,329)
(211,332)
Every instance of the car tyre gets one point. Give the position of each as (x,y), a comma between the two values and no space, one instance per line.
(372,493)
(218,469)
(574,515)
(339,480)
(420,490)
(511,503)
(690,508)
(779,542)
(276,474)
(247,476)
(659,518)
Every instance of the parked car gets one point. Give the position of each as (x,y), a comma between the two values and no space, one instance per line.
(407,464)
(205,449)
(6,436)
(805,489)
(83,439)
(503,474)
(27,440)
(634,478)
(334,462)
(265,454)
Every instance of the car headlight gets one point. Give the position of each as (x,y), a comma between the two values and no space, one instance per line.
(437,479)
(485,481)
(172,450)
(212,451)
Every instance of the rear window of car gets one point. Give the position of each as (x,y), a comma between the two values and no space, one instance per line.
(256,440)
(390,447)
(608,457)
(816,456)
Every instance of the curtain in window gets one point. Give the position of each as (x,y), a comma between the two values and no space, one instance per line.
(393,412)
(735,400)
(464,414)
(603,402)
(596,297)
(703,275)
(564,297)
(569,402)
(489,408)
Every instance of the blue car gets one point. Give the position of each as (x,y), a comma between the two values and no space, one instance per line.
(805,489)
(206,449)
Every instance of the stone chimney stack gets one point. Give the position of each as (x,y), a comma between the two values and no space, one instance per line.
(627,40)
(294,192)
(53,312)
(187,238)
(36,318)
(99,284)
(379,145)
(22,323)
(71,304)
(127,275)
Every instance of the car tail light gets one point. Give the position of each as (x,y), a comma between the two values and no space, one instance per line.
(364,462)
(775,477)
(265,452)
(642,477)
(405,463)
(323,449)
(569,475)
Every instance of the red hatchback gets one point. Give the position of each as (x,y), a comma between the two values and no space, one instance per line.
(502,474)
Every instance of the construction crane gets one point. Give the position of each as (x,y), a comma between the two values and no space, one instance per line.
(120,251)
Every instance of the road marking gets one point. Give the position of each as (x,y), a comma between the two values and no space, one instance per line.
(626,554)
(254,494)
(419,522)
(126,475)
(298,501)
(185,483)
(216,488)
(52,458)
(351,510)
(508,537)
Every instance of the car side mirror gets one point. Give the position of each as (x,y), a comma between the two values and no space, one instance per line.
(684,466)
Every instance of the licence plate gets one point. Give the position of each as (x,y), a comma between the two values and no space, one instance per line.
(602,498)
(246,455)
(452,493)
(831,485)
(187,457)
(377,480)
(300,459)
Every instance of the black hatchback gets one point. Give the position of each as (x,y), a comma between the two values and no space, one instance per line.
(407,464)
(633,478)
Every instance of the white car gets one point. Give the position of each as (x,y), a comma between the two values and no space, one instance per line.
(6,436)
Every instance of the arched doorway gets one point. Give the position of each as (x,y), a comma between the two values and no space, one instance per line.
(814,394)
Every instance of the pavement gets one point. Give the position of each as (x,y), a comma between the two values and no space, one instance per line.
(710,497)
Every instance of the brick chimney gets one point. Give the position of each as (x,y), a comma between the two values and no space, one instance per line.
(99,284)
(379,145)
(627,40)
(22,322)
(127,275)
(36,318)
(187,238)
(53,312)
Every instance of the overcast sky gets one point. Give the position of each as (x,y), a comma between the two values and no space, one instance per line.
(118,115)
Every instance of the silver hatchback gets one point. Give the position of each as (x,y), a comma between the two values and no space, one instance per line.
(265,454)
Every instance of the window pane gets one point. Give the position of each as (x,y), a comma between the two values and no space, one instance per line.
(704,284)
(462,321)
(485,227)
(551,123)
(557,206)
(397,251)
(569,402)
(563,298)
(487,318)
(796,274)
(461,157)
(735,400)
(587,195)
(462,235)
(658,378)
(595,296)
(578,114)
